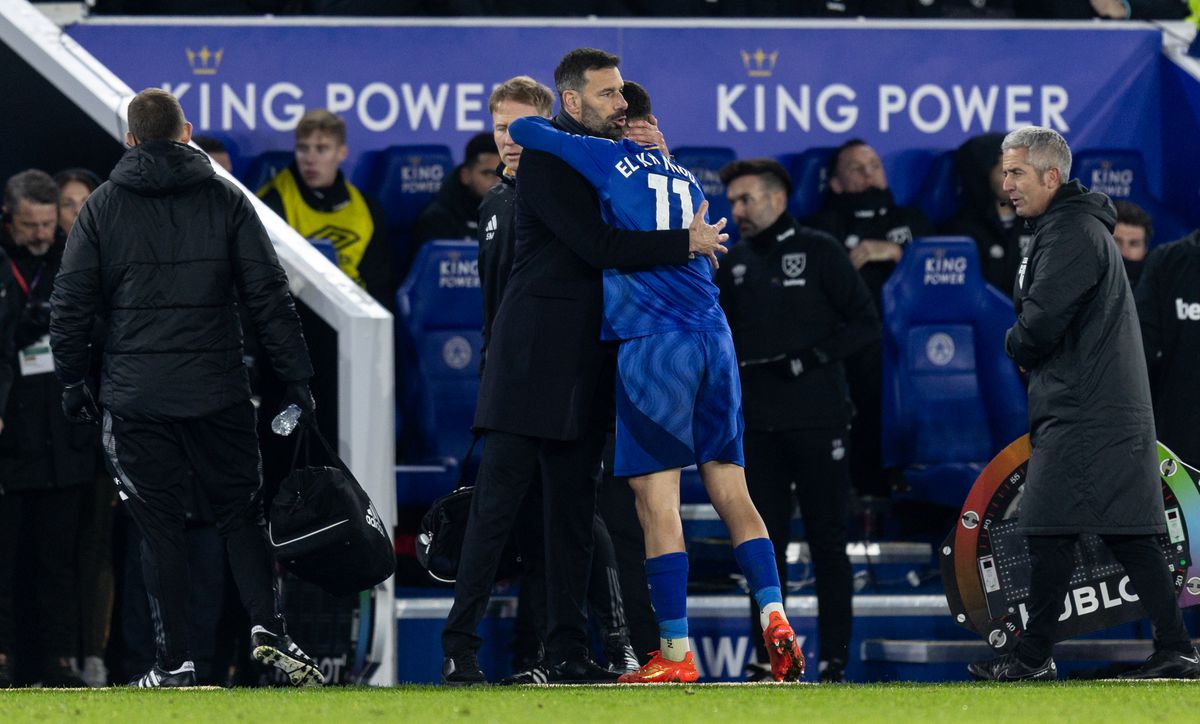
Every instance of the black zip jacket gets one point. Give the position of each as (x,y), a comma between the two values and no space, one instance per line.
(797,308)
(871,214)
(167,251)
(1168,305)
(497,241)
(39,448)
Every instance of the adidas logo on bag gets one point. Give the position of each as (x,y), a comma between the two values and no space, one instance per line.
(373,520)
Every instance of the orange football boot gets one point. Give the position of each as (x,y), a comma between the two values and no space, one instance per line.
(787,661)
(662,671)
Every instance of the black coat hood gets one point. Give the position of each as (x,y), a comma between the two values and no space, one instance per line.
(161,168)
(1073,198)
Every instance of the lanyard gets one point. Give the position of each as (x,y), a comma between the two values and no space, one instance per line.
(25,286)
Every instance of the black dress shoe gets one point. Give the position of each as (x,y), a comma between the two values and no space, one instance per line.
(580,671)
(462,670)
(1010,668)
(1167,665)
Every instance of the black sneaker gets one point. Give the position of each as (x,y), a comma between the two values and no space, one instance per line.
(619,653)
(6,681)
(1010,668)
(533,676)
(282,653)
(462,670)
(1167,665)
(580,671)
(157,678)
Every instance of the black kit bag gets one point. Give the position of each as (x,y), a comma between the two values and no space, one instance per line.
(324,528)
(443,527)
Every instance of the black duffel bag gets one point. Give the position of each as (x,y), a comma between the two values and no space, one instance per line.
(324,528)
(440,540)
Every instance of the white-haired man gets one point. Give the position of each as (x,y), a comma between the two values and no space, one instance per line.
(1094,464)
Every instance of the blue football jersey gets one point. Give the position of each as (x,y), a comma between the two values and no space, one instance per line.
(640,190)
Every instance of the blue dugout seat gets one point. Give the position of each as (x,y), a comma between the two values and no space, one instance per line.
(1122,175)
(263,167)
(807,169)
(705,163)
(925,179)
(404,179)
(952,398)
(439,315)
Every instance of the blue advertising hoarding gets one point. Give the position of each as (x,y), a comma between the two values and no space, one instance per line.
(757,88)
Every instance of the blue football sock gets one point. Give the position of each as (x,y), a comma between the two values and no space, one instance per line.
(756,558)
(666,576)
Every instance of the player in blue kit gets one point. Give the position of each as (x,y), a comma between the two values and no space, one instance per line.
(678,392)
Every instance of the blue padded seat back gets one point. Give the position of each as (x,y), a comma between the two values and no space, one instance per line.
(705,163)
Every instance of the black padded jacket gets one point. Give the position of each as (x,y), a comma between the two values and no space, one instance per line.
(166,251)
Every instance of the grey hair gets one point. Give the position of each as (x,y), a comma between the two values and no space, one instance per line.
(32,185)
(1047,149)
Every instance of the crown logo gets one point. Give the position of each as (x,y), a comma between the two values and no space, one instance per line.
(760,64)
(204,61)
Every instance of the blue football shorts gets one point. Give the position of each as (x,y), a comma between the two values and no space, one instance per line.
(679,401)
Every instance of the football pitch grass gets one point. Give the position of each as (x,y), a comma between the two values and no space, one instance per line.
(674,704)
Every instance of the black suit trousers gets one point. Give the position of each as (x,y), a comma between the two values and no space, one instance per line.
(570,472)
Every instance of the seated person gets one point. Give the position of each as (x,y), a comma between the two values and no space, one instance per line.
(315,198)
(986,214)
(454,212)
(859,211)
(1132,234)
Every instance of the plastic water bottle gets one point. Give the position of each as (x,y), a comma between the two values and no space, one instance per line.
(286,421)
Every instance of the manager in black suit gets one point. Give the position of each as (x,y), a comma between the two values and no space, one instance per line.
(546,396)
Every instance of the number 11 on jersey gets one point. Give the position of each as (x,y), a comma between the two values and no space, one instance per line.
(662,200)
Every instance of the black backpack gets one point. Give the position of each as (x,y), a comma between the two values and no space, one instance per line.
(324,528)
(440,540)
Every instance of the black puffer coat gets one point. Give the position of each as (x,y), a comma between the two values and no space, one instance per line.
(1094,464)
(167,250)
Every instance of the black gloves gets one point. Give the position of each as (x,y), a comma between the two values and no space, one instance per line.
(300,395)
(78,404)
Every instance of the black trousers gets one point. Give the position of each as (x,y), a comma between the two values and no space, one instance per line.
(864,372)
(151,462)
(618,508)
(814,461)
(1052,559)
(570,474)
(206,568)
(604,588)
(48,520)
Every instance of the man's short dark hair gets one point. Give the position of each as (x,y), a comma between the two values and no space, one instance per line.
(836,156)
(479,144)
(772,173)
(569,75)
(32,185)
(209,144)
(1134,215)
(638,100)
(155,115)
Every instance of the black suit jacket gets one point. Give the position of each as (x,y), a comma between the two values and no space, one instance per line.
(545,359)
